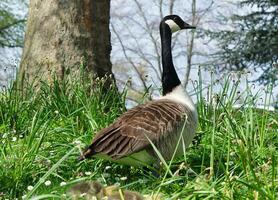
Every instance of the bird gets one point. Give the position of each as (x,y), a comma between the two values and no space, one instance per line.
(159,123)
(95,190)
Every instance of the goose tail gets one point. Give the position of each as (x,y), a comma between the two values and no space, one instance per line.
(87,153)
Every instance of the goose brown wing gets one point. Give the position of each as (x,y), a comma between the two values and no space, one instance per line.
(128,134)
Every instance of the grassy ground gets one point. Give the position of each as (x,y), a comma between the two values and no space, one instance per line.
(234,155)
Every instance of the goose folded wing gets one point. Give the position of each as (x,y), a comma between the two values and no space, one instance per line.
(130,132)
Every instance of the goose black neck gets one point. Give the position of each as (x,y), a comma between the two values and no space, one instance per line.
(170,78)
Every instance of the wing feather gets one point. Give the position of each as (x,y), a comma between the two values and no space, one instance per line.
(127,134)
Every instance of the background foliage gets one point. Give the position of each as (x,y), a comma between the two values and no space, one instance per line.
(252,43)
(11,24)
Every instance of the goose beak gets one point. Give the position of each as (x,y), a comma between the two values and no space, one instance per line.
(188,26)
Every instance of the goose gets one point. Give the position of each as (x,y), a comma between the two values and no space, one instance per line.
(161,121)
(95,190)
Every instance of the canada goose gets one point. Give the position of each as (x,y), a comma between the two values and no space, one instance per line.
(95,190)
(126,140)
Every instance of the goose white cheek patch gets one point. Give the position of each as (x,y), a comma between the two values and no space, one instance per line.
(173,26)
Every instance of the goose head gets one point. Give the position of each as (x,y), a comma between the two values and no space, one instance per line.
(175,23)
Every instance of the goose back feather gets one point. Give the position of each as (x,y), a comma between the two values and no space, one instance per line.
(129,134)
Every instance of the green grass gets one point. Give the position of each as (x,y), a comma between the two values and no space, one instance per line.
(234,155)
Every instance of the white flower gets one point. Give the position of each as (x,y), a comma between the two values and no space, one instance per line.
(30,187)
(107,167)
(83,194)
(232,153)
(88,173)
(14,139)
(56,112)
(47,183)
(123,178)
(77,142)
(63,183)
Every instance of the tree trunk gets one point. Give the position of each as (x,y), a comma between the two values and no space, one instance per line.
(63,35)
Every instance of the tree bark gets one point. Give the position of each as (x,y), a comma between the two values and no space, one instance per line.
(63,35)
